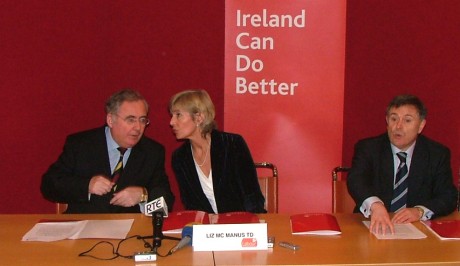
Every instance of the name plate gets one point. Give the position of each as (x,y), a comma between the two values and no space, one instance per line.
(220,237)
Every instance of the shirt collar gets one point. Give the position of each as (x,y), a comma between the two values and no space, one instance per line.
(111,143)
(409,150)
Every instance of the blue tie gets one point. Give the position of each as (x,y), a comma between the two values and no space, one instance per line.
(400,186)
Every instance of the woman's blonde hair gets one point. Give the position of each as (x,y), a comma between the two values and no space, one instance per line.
(196,102)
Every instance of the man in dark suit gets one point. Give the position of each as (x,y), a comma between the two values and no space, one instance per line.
(375,175)
(84,175)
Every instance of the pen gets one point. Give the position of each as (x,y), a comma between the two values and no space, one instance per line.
(289,245)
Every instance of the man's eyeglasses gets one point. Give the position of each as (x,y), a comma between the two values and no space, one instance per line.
(131,120)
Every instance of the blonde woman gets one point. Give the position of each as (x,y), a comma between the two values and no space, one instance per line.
(214,169)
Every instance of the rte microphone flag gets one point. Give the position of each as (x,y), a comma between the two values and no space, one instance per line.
(156,205)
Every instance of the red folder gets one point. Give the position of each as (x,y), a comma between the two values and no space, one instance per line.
(177,220)
(314,224)
(233,218)
(444,229)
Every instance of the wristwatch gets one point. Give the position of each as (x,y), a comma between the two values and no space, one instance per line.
(421,212)
(144,196)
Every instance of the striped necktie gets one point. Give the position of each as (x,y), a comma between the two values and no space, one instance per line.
(400,185)
(118,168)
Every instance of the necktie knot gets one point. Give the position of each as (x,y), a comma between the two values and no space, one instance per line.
(402,156)
(122,150)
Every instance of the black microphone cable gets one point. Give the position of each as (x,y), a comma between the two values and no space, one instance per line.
(115,250)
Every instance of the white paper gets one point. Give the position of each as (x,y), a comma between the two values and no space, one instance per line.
(402,231)
(53,231)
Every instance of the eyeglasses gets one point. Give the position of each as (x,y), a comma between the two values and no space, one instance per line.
(131,120)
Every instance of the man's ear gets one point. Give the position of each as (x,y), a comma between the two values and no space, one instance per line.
(109,120)
(422,126)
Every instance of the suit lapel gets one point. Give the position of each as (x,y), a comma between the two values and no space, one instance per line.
(99,154)
(417,169)
(192,178)
(387,170)
(134,161)
(217,151)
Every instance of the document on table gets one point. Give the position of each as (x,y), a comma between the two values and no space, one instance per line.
(402,231)
(59,230)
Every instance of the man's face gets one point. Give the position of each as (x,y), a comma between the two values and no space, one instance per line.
(128,124)
(404,125)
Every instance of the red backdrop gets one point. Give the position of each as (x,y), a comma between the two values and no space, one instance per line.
(295,123)
(61,60)
(396,47)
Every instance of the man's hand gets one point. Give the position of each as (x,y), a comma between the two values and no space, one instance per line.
(407,215)
(127,197)
(380,219)
(100,185)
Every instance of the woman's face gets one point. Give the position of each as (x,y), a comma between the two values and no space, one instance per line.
(183,124)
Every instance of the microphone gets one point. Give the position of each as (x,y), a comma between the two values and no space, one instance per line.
(157,208)
(187,235)
(157,221)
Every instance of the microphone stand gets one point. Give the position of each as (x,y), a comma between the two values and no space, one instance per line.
(157,221)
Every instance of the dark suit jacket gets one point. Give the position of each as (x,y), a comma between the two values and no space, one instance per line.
(236,187)
(430,174)
(85,155)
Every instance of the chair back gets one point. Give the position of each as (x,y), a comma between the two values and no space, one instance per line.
(61,208)
(342,202)
(268,181)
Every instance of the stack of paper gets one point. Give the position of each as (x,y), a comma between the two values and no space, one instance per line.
(58,230)
(402,231)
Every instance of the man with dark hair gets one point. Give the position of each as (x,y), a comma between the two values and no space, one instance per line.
(401,171)
(113,168)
